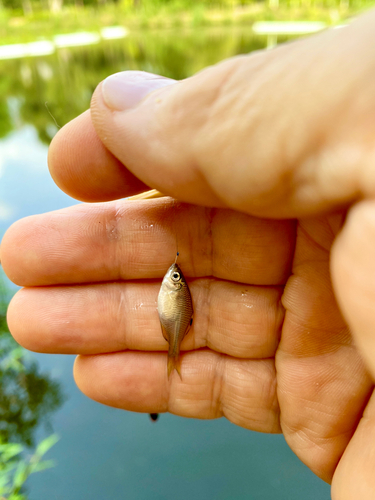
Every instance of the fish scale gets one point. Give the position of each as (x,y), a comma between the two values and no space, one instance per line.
(175,310)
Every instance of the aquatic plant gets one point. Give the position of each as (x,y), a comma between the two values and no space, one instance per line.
(27,396)
(15,468)
(27,399)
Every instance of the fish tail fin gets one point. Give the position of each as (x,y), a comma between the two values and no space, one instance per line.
(174,364)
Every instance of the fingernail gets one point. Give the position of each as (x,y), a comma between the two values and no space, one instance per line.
(125,90)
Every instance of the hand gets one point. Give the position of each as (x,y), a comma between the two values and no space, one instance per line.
(284,134)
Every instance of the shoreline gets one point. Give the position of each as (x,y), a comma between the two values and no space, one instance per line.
(44,26)
(36,48)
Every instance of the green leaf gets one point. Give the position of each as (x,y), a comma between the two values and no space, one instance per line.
(45,464)
(46,444)
(17,496)
(20,476)
(5,471)
(4,485)
(9,450)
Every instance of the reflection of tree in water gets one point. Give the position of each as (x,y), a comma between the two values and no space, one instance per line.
(27,397)
(67,79)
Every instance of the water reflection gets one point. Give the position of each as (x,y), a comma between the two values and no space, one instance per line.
(66,79)
(28,397)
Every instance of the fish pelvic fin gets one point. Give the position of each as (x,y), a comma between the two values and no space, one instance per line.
(174,364)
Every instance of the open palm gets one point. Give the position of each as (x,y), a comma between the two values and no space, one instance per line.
(268,349)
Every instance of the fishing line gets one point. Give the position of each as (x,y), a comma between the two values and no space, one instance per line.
(51,115)
(175,230)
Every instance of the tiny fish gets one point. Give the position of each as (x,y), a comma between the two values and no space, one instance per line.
(175,310)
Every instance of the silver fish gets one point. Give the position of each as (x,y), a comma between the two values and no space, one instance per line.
(175,310)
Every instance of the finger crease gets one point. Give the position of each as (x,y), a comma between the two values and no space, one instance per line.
(114,236)
(217,386)
(210,214)
(121,307)
(207,335)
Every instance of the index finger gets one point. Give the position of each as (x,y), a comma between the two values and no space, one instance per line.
(138,240)
(84,168)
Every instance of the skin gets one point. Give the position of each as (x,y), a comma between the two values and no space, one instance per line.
(283,309)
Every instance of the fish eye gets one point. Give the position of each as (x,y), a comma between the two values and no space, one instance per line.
(175,276)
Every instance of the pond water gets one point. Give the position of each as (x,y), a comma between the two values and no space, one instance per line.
(104,453)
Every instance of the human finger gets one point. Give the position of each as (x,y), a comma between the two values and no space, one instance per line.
(83,168)
(277,133)
(212,386)
(322,382)
(138,240)
(354,475)
(81,165)
(353,269)
(232,318)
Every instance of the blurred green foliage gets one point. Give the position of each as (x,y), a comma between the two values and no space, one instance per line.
(66,80)
(27,400)
(42,17)
(151,7)
(15,469)
(27,397)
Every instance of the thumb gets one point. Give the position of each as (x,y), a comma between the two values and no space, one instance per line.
(280,133)
(353,275)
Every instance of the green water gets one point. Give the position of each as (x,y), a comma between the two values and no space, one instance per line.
(103,453)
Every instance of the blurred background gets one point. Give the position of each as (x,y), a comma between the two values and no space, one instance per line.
(55,444)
